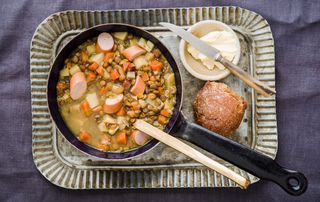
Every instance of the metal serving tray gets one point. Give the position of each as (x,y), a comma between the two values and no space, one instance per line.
(162,167)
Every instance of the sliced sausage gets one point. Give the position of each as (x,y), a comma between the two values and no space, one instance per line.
(112,105)
(105,41)
(132,52)
(140,138)
(138,87)
(78,85)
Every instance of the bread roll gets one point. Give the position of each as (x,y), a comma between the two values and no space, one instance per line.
(218,108)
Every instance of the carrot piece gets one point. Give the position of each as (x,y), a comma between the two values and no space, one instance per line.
(121,138)
(97,108)
(114,74)
(91,76)
(135,105)
(156,65)
(145,76)
(121,112)
(84,136)
(103,90)
(165,113)
(100,70)
(84,56)
(93,66)
(84,106)
(162,120)
(108,56)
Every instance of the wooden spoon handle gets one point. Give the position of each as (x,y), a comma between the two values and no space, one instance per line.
(259,86)
(191,152)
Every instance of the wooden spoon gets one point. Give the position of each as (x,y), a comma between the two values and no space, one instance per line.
(191,152)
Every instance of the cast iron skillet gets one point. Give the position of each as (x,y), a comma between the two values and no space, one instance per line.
(293,182)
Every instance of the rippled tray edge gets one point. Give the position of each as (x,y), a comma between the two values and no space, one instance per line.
(68,176)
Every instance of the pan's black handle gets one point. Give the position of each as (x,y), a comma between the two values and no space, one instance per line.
(264,167)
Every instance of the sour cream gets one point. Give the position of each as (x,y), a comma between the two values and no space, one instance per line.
(224,41)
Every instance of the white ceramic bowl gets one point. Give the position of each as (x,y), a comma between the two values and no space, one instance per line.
(195,67)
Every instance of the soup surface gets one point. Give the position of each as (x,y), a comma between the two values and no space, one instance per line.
(108,83)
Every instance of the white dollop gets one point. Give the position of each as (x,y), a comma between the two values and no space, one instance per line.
(224,41)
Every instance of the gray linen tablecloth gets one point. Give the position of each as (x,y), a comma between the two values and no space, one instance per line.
(296,29)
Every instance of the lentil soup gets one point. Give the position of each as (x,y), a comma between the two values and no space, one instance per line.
(110,81)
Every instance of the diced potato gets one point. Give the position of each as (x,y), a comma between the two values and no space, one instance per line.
(91,49)
(149,46)
(140,62)
(120,35)
(149,56)
(98,58)
(122,122)
(74,69)
(113,131)
(108,119)
(92,99)
(64,72)
(142,43)
(131,75)
(102,127)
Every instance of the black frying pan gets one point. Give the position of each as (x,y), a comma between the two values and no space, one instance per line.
(293,182)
